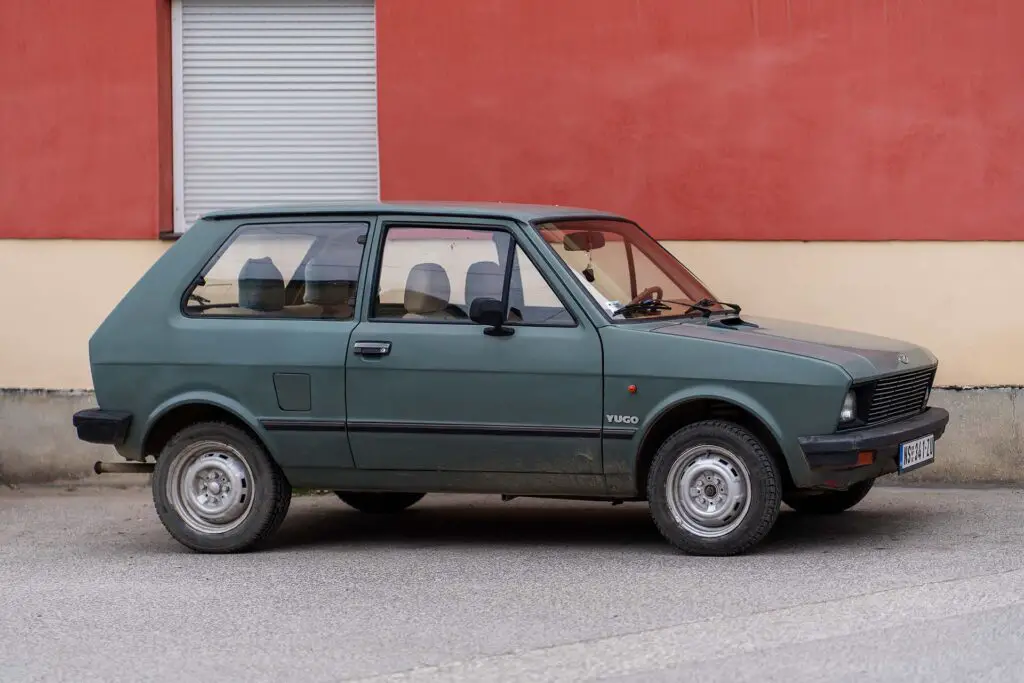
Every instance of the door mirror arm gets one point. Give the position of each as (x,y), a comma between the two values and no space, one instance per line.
(490,312)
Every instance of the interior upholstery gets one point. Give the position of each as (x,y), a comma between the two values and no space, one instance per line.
(484,280)
(331,278)
(427,292)
(260,285)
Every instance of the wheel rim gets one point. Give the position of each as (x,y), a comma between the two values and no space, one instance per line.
(708,491)
(210,485)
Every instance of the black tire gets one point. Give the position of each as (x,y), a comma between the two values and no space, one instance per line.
(262,499)
(380,503)
(750,521)
(829,502)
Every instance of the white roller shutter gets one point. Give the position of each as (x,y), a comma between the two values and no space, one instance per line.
(276,101)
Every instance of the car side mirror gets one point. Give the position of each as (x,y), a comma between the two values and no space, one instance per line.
(490,312)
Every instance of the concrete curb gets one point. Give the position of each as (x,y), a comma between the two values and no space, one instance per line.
(983,445)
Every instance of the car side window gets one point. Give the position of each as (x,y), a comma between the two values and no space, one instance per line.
(434,274)
(531,300)
(291,270)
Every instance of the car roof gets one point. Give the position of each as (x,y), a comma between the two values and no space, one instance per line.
(522,212)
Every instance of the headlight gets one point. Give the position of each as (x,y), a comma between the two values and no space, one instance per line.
(849,409)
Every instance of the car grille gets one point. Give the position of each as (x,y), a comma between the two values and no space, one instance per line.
(899,396)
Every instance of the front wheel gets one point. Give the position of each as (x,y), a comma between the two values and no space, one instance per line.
(714,489)
(379,502)
(829,502)
(217,490)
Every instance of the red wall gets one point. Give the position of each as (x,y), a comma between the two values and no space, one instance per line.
(725,119)
(85,116)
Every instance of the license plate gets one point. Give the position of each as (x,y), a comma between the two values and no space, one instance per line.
(916,453)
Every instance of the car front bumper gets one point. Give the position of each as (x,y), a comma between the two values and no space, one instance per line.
(109,427)
(841,459)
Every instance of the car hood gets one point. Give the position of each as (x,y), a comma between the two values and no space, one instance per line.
(861,355)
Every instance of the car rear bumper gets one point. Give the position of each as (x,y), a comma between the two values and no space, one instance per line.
(108,427)
(844,458)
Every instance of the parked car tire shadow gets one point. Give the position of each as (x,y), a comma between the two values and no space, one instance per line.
(484,522)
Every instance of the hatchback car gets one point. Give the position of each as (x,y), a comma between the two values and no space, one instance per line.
(390,350)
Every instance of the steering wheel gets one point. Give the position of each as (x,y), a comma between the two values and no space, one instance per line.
(649,294)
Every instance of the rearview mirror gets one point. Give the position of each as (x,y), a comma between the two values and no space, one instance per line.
(587,240)
(490,312)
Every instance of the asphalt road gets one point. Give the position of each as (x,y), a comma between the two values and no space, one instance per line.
(914,585)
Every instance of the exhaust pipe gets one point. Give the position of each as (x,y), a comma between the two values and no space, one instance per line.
(123,467)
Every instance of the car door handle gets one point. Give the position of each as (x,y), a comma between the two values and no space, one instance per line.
(372,348)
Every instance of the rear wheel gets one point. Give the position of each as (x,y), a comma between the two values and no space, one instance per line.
(714,489)
(829,502)
(217,490)
(379,502)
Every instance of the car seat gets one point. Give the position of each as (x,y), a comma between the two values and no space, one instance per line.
(427,293)
(486,280)
(260,286)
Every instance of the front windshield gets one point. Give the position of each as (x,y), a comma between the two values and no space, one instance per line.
(619,264)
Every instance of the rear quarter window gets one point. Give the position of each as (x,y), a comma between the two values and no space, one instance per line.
(283,271)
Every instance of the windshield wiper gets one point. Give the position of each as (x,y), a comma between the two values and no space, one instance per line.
(703,305)
(711,302)
(647,305)
(651,305)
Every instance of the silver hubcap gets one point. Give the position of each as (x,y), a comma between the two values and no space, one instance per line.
(708,491)
(211,486)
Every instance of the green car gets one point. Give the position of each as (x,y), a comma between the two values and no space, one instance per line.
(387,350)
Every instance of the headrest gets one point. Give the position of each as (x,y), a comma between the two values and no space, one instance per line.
(427,289)
(260,285)
(332,276)
(484,279)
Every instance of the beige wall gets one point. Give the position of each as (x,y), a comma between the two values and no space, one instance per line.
(58,293)
(964,301)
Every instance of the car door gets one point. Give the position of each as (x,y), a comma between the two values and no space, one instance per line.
(427,389)
(268,321)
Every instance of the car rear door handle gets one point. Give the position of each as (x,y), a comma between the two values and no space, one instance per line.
(372,348)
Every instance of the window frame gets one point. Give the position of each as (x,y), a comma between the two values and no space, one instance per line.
(298,222)
(436,223)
